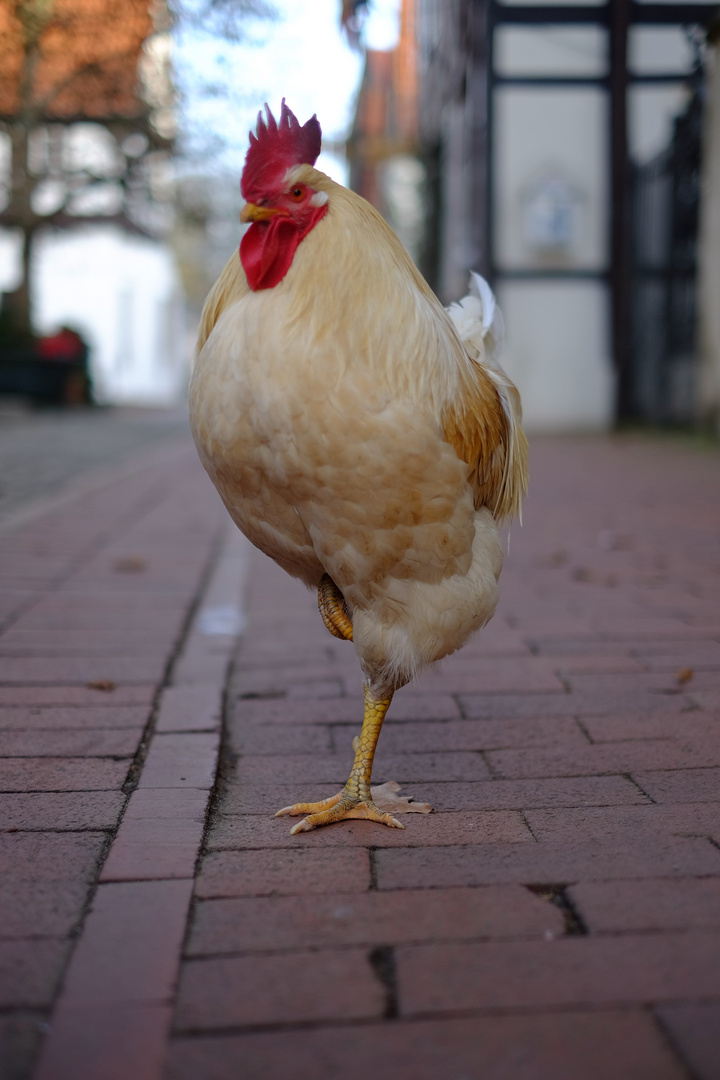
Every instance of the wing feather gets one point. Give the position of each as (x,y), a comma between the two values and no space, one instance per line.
(484,423)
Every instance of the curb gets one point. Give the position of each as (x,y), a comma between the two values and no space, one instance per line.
(112,1018)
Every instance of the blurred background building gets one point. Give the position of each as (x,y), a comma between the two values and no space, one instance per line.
(568,151)
(562,151)
(86,132)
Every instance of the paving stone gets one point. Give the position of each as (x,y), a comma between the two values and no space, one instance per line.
(681,785)
(627,757)
(90,642)
(94,696)
(623,727)
(586,859)
(254,798)
(181,760)
(335,768)
(30,971)
(307,986)
(130,944)
(88,743)
(41,670)
(555,731)
(473,827)
(693,1030)
(20,1035)
(273,923)
(76,718)
(295,872)
(685,819)
(62,774)
(60,810)
(660,904)
(106,1042)
(569,972)
(554,1046)
(45,878)
(190,708)
(159,837)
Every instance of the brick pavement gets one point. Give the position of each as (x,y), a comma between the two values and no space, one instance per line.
(100,657)
(558,916)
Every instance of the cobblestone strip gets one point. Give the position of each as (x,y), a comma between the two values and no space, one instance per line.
(113,1015)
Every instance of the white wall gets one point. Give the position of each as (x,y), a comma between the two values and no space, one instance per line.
(123,294)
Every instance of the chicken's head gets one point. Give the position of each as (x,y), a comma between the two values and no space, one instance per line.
(280,207)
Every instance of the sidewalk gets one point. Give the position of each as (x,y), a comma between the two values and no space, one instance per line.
(557,918)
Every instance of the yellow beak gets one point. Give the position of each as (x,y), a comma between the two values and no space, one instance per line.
(251,212)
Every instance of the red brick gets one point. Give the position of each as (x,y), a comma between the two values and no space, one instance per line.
(556,1046)
(406,706)
(256,798)
(135,642)
(190,708)
(681,785)
(568,972)
(61,774)
(694,1030)
(159,836)
(280,738)
(421,830)
(288,873)
(473,735)
(253,924)
(575,704)
(335,768)
(279,678)
(496,676)
(660,904)
(106,1042)
(76,695)
(20,1035)
(130,945)
(687,819)
(181,760)
(60,810)
(649,726)
(46,878)
(303,986)
(50,669)
(583,859)
(74,718)
(626,757)
(75,744)
(30,972)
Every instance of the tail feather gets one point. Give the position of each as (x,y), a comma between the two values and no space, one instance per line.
(481,329)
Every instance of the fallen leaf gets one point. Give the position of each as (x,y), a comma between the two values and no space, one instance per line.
(684,675)
(133,564)
(386,798)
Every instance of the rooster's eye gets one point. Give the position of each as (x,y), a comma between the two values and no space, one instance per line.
(297,193)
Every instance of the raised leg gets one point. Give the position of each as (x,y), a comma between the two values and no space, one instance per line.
(331,604)
(355,800)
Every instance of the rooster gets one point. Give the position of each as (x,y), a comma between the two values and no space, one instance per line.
(358,433)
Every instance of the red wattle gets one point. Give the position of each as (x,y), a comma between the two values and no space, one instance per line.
(268,247)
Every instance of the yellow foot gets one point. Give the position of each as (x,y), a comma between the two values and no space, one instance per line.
(332,607)
(338,808)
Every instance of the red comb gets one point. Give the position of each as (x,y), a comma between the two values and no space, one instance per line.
(276,148)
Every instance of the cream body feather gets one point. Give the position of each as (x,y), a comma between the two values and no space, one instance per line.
(321,409)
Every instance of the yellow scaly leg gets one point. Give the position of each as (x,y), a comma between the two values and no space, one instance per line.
(355,800)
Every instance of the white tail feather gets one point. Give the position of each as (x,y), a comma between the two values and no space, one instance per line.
(481,328)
